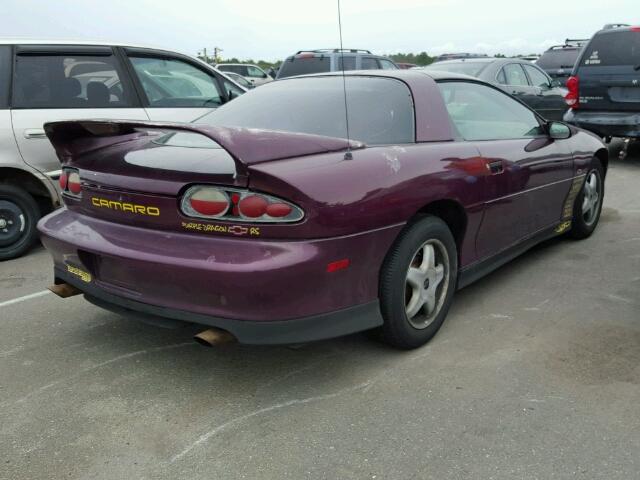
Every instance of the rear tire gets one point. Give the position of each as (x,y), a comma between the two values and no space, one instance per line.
(417,283)
(588,203)
(19,214)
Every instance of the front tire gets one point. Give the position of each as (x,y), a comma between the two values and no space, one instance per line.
(588,203)
(19,214)
(417,283)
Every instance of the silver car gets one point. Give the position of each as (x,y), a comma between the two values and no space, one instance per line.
(43,81)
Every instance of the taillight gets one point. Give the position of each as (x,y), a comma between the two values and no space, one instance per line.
(63,180)
(573,96)
(203,201)
(209,201)
(70,182)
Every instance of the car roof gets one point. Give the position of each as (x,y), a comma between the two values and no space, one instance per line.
(238,64)
(66,42)
(397,74)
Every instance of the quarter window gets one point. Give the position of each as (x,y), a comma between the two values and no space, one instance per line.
(538,78)
(174,83)
(387,65)
(484,113)
(514,75)
(64,81)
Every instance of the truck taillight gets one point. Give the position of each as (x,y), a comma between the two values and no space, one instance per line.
(220,203)
(573,95)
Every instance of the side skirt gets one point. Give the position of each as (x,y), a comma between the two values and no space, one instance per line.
(477,270)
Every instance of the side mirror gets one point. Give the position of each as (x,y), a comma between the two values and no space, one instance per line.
(556,83)
(559,131)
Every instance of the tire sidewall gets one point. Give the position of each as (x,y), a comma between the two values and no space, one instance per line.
(31,213)
(579,228)
(397,330)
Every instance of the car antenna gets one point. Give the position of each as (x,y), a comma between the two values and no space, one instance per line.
(348,155)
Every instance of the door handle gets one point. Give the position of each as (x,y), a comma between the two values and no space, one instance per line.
(31,133)
(496,167)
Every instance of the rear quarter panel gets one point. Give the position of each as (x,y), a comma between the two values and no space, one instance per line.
(378,188)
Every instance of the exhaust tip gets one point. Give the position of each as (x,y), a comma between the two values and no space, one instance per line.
(64,290)
(214,337)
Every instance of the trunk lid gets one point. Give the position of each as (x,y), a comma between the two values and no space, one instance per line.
(136,172)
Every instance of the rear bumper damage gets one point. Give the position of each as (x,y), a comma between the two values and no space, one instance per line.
(606,124)
(261,291)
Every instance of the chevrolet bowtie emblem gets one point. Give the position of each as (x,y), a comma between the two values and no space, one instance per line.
(237,230)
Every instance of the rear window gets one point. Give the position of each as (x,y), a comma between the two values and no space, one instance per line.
(556,59)
(615,48)
(304,65)
(467,68)
(380,109)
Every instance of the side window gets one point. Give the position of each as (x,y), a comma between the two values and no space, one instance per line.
(5,75)
(386,64)
(66,81)
(175,83)
(349,62)
(369,63)
(254,72)
(484,113)
(514,75)
(538,78)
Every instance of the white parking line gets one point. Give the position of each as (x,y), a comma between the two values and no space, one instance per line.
(26,297)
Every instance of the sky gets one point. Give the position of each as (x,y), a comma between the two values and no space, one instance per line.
(273,29)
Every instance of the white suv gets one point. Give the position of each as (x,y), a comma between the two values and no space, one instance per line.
(43,81)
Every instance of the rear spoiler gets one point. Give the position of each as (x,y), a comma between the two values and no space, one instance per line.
(247,146)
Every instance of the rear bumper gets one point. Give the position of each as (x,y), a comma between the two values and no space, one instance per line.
(298,330)
(606,124)
(244,285)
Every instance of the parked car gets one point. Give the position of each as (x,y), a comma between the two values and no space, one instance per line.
(405,66)
(253,73)
(458,56)
(520,78)
(604,89)
(42,81)
(332,60)
(443,179)
(240,80)
(558,61)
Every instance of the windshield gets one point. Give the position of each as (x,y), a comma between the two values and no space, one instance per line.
(616,48)
(380,109)
(467,68)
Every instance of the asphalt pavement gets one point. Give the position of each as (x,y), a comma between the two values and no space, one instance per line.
(534,375)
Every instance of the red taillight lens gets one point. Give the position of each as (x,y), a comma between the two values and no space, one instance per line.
(221,203)
(209,201)
(73,183)
(278,210)
(572,98)
(253,206)
(63,180)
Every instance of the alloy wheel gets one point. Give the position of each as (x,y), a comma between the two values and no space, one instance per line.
(426,283)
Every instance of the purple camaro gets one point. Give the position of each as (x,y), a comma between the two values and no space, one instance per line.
(263,221)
